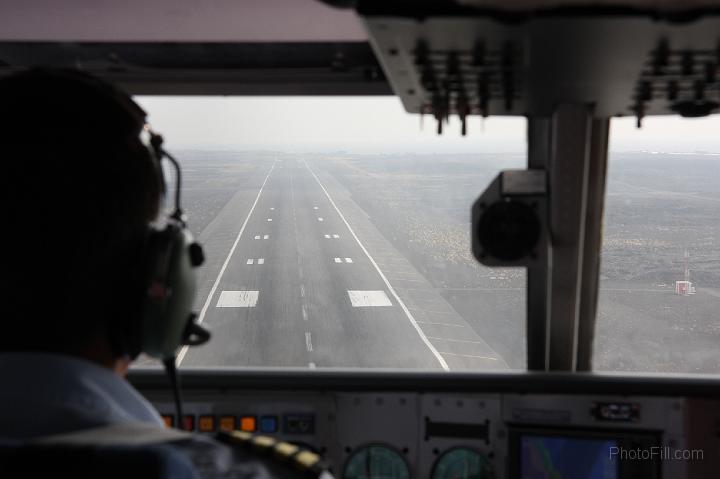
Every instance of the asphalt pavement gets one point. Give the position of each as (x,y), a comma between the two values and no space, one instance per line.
(300,277)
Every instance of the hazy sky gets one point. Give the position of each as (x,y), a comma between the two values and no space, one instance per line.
(379,124)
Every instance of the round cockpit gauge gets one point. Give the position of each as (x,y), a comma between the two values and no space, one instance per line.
(461,463)
(376,462)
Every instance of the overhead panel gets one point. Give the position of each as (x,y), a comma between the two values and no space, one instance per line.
(488,62)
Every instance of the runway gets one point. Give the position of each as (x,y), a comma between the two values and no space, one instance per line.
(298,276)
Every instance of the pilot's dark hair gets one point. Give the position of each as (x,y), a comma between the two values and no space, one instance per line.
(77,191)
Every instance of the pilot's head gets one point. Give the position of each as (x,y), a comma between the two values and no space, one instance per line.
(78,190)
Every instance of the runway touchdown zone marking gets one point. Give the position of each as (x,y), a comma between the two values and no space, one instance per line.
(237,299)
(361,299)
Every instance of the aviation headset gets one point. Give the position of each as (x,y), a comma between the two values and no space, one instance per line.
(166,320)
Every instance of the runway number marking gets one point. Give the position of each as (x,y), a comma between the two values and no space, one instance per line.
(238,299)
(361,299)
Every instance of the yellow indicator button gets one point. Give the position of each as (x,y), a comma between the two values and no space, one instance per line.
(168,420)
(227,423)
(248,423)
(206,423)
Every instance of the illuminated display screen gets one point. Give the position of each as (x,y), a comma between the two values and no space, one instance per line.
(558,457)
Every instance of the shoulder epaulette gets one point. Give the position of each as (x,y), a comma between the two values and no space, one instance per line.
(302,460)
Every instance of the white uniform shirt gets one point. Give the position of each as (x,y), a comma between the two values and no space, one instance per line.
(43,394)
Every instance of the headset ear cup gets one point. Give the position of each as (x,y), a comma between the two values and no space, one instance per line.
(170,291)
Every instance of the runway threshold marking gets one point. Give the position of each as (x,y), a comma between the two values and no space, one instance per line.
(361,299)
(205,307)
(407,312)
(238,299)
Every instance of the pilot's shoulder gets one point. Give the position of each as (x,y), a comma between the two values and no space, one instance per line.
(242,454)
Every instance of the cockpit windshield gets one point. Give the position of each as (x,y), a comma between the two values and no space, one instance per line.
(337,231)
(337,234)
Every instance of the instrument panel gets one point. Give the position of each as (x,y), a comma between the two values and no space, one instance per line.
(462,434)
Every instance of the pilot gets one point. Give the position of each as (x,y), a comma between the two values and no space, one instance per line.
(80,191)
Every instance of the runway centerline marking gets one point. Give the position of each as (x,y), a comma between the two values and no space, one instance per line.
(409,315)
(336,236)
(272,209)
(269,219)
(304,313)
(302,291)
(237,299)
(320,219)
(215,285)
(348,260)
(315,207)
(308,341)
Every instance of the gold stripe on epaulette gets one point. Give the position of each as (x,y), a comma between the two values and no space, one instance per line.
(285,450)
(241,436)
(263,442)
(306,459)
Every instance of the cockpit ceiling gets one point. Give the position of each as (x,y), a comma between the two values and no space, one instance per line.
(248,68)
